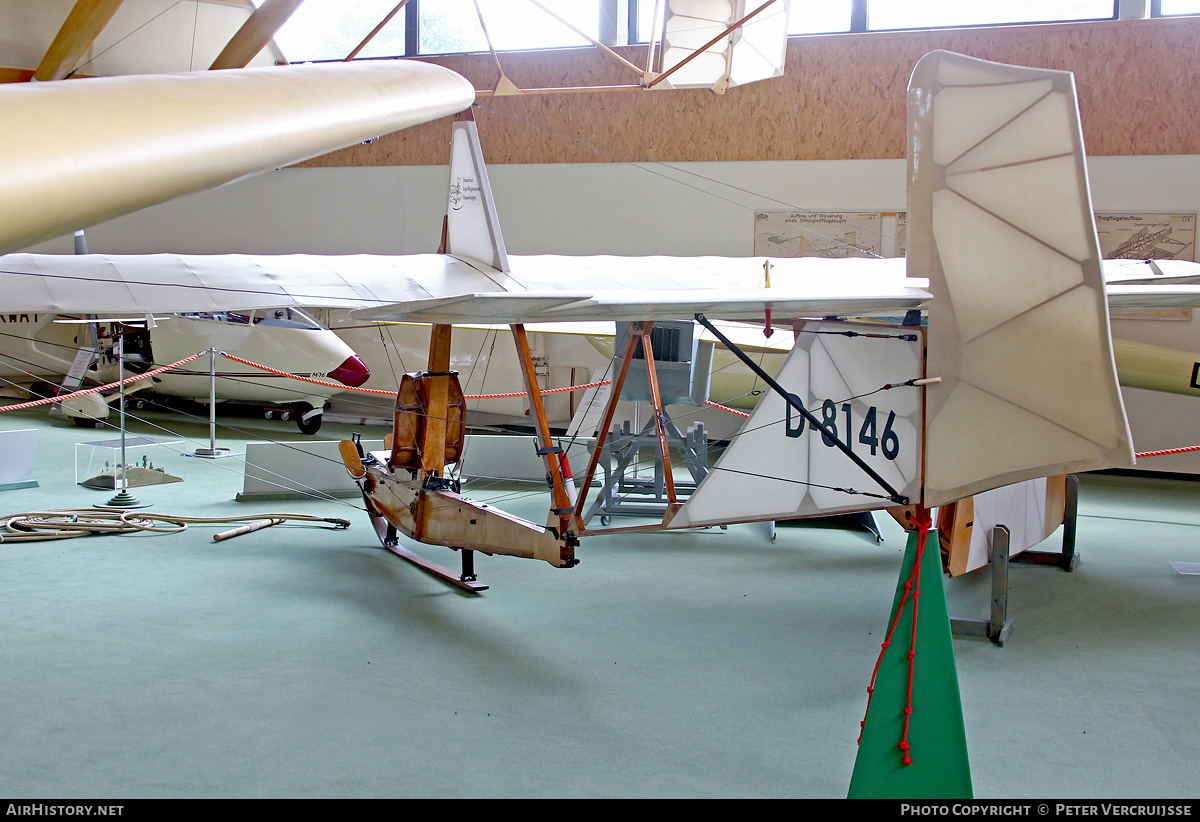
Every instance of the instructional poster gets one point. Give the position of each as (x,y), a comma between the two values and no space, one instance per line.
(829,234)
(1134,236)
(1148,236)
(901,233)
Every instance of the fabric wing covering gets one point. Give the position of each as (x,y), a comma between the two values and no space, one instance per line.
(1000,220)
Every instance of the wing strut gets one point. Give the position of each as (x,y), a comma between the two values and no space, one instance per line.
(791,400)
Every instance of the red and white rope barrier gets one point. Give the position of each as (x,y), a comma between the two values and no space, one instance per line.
(126,381)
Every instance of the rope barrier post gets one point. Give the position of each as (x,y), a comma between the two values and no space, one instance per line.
(212,452)
(124,499)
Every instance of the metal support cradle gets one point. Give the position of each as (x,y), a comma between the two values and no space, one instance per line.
(625,492)
(998,626)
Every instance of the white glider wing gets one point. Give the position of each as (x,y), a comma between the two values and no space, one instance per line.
(78,152)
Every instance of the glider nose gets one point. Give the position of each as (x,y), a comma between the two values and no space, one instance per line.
(353,372)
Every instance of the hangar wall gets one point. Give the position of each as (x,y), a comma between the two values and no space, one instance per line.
(842,97)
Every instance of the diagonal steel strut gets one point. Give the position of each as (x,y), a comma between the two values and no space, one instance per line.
(893,494)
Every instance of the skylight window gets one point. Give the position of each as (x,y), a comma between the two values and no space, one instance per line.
(924,14)
(331,29)
(453,25)
(1168,8)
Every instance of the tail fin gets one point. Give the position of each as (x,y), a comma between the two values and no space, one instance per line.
(1000,220)
(472,227)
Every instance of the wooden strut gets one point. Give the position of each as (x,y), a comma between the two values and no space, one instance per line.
(560,510)
(639,334)
(635,332)
(433,443)
(660,424)
(378,27)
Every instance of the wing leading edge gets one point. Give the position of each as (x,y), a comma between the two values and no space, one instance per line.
(78,152)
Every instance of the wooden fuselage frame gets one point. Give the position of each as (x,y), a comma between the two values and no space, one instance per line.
(413,495)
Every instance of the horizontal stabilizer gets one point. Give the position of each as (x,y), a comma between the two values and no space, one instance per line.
(633,305)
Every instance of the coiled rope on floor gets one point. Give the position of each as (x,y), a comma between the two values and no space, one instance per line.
(68,523)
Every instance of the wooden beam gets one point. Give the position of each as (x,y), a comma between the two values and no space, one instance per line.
(15,75)
(81,28)
(561,507)
(255,33)
(387,19)
(660,426)
(433,445)
(636,329)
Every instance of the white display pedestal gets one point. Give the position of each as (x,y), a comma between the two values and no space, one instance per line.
(16,469)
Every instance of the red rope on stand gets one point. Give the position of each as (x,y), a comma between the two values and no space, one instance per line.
(384,393)
(727,408)
(1142,454)
(911,586)
(46,400)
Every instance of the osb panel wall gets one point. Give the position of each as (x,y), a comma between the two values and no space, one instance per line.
(841,97)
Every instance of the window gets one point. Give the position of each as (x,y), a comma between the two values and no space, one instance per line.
(453,25)
(926,14)
(1171,8)
(331,29)
(819,18)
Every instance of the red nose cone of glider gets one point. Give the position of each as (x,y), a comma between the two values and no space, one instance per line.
(353,372)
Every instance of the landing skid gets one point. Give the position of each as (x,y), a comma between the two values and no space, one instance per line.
(465,581)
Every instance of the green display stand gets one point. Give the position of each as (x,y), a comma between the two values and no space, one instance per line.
(936,737)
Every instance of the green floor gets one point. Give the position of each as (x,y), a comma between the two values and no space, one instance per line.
(306,662)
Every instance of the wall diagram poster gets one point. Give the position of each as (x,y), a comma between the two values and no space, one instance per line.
(829,234)
(900,233)
(1146,236)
